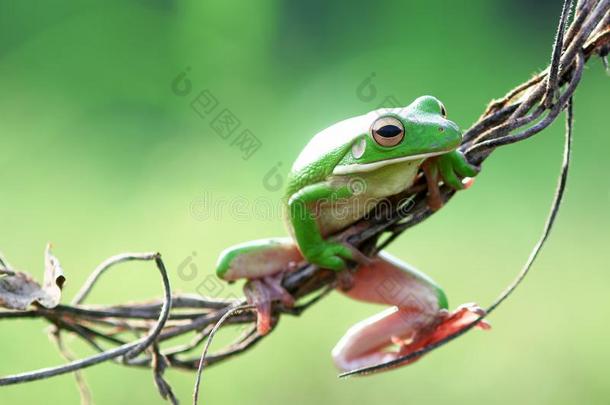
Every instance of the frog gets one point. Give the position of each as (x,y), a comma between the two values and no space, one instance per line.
(338,179)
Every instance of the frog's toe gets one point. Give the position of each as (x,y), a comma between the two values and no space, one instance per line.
(262,293)
(462,166)
(332,256)
(467,170)
(456,171)
(258,295)
(458,319)
(450,177)
(341,250)
(352,253)
(468,182)
(335,263)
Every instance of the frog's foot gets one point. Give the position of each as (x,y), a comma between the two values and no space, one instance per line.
(396,332)
(418,316)
(344,238)
(453,169)
(332,255)
(262,293)
(367,342)
(463,316)
(356,255)
(448,324)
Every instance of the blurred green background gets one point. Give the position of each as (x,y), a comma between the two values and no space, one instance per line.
(100,156)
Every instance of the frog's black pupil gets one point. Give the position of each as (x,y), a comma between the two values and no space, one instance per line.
(389,131)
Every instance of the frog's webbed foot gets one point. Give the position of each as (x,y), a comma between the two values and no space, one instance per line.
(416,319)
(345,277)
(355,254)
(453,169)
(447,324)
(333,255)
(262,293)
(398,332)
(455,321)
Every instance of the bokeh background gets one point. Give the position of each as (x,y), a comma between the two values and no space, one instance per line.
(99,156)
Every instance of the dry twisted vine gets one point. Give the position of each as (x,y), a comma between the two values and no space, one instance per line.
(520,114)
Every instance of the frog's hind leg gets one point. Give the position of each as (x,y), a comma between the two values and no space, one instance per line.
(418,315)
(257,259)
(263,263)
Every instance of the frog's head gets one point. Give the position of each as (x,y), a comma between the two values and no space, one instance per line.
(416,132)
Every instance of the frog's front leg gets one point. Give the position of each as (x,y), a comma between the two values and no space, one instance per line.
(448,168)
(263,263)
(418,316)
(313,246)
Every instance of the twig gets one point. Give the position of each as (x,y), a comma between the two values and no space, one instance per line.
(159,364)
(553,77)
(81,383)
(128,350)
(230,312)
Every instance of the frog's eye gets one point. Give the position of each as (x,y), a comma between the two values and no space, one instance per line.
(388,131)
(443,110)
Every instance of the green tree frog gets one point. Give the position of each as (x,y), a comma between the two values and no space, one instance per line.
(339,177)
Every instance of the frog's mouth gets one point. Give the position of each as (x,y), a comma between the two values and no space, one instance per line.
(371,166)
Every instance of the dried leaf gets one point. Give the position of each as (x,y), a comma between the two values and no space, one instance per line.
(18,290)
(53,279)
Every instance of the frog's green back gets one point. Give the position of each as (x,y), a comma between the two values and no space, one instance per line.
(317,160)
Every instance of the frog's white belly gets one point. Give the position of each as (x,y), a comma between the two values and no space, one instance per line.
(369,189)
